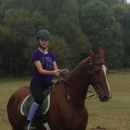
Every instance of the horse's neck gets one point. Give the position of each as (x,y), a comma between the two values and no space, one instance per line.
(78,84)
(79,73)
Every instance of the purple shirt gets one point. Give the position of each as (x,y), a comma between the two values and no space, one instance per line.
(47,64)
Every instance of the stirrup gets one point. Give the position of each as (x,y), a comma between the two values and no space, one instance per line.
(30,126)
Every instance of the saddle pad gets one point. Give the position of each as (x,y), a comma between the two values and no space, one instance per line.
(29,100)
(45,105)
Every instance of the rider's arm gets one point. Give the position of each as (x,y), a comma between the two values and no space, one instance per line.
(65,71)
(55,66)
(43,71)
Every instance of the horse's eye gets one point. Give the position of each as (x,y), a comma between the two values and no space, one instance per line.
(97,72)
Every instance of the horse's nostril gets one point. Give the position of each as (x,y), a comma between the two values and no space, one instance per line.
(105,97)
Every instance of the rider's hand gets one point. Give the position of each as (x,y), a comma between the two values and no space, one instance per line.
(56,72)
(65,71)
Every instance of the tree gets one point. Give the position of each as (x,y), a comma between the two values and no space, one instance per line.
(61,50)
(27,54)
(126,36)
(7,52)
(74,24)
(110,2)
(25,24)
(11,4)
(67,26)
(119,13)
(98,23)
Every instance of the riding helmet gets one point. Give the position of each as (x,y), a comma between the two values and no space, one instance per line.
(44,34)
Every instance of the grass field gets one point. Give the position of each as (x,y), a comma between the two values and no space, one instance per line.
(112,115)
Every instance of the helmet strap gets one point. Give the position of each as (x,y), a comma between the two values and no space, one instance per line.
(42,47)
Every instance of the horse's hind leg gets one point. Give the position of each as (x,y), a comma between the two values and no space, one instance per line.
(16,126)
(15,118)
(14,122)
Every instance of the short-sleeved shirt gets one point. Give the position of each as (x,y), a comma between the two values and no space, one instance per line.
(47,64)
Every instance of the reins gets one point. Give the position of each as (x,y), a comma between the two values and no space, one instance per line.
(73,103)
(73,85)
(90,72)
(90,91)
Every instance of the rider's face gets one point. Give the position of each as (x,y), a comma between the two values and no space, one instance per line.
(43,42)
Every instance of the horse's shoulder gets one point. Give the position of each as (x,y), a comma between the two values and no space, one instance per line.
(56,83)
(57,87)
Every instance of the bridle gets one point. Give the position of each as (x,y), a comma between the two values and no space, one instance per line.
(92,64)
(89,72)
(72,101)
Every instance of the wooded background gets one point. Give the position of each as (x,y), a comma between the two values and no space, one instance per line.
(75,26)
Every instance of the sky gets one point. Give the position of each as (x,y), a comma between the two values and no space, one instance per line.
(128,1)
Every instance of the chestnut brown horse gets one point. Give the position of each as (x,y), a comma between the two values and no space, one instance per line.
(67,108)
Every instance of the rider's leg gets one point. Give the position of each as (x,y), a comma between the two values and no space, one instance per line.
(33,109)
(36,91)
(32,113)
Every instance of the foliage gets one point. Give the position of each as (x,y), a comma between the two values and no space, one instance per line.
(126,36)
(98,23)
(63,55)
(75,26)
(7,55)
(119,12)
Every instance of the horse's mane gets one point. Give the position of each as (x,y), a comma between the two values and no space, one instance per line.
(73,70)
(77,67)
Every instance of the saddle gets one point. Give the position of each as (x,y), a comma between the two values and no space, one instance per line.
(29,100)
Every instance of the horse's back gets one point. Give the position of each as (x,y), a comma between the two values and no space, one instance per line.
(14,103)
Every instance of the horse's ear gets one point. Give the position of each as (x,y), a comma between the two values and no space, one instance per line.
(101,52)
(92,55)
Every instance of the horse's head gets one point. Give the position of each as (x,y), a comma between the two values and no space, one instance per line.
(98,75)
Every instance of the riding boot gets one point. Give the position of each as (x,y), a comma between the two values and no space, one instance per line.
(31,115)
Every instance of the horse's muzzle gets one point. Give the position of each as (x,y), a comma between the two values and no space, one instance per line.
(104,97)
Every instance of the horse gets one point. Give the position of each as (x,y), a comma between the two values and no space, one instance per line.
(67,99)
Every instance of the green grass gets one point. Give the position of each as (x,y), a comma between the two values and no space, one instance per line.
(7,87)
(112,115)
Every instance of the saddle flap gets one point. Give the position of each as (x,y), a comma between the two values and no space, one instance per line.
(27,102)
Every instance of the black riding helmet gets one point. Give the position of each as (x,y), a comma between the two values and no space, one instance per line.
(44,34)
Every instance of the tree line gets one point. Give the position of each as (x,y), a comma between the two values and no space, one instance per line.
(75,26)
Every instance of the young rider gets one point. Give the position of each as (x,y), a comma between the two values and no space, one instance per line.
(44,68)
